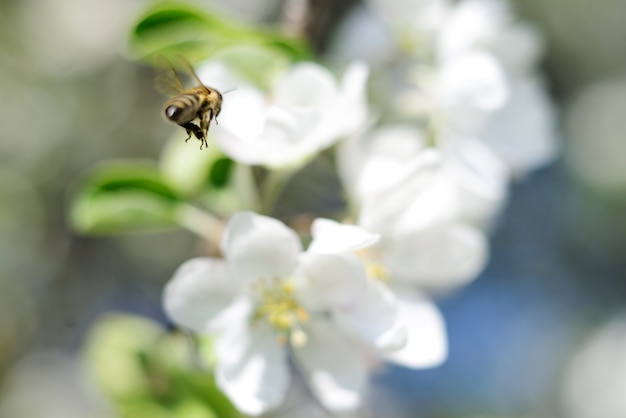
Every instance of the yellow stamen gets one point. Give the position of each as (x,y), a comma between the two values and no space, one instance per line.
(377,271)
(279,308)
(373,268)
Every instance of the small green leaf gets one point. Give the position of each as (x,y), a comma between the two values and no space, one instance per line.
(220,172)
(170,28)
(126,196)
(110,353)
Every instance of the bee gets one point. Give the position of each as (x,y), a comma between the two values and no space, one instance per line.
(188,104)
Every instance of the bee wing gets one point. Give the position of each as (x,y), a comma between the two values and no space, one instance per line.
(167,80)
(190,69)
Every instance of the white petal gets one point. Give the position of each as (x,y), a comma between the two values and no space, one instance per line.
(470,88)
(352,107)
(306,85)
(333,366)
(330,281)
(258,246)
(200,290)
(243,114)
(374,161)
(441,256)
(251,367)
(332,237)
(374,317)
(276,142)
(427,343)
(524,133)
(437,202)
(380,210)
(218,75)
(481,179)
(472,25)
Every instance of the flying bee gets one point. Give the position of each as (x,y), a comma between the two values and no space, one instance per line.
(188,104)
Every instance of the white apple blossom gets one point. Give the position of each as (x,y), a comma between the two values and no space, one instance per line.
(417,317)
(478,77)
(304,111)
(523,132)
(487,85)
(467,90)
(421,201)
(490,25)
(514,118)
(390,170)
(267,299)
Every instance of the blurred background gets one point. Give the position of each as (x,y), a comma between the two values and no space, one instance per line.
(540,334)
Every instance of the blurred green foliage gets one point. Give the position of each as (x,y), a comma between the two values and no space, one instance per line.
(169,28)
(150,373)
(123,196)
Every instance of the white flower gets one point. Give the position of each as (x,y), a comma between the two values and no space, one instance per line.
(487,87)
(422,202)
(468,89)
(418,321)
(395,178)
(523,132)
(490,26)
(513,117)
(268,298)
(305,111)
(595,376)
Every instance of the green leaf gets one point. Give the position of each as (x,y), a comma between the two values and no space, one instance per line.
(170,28)
(110,353)
(124,196)
(220,172)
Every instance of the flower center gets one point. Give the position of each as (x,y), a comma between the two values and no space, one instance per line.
(281,310)
(373,267)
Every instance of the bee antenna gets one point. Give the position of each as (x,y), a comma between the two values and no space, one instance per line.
(228,91)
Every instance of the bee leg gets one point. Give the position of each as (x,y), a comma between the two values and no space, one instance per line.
(204,127)
(192,128)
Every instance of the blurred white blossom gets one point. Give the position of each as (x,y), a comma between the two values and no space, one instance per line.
(268,298)
(474,75)
(391,173)
(418,319)
(490,26)
(488,86)
(425,243)
(420,200)
(595,379)
(413,16)
(305,111)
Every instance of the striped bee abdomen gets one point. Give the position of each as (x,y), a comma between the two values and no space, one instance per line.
(183,108)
